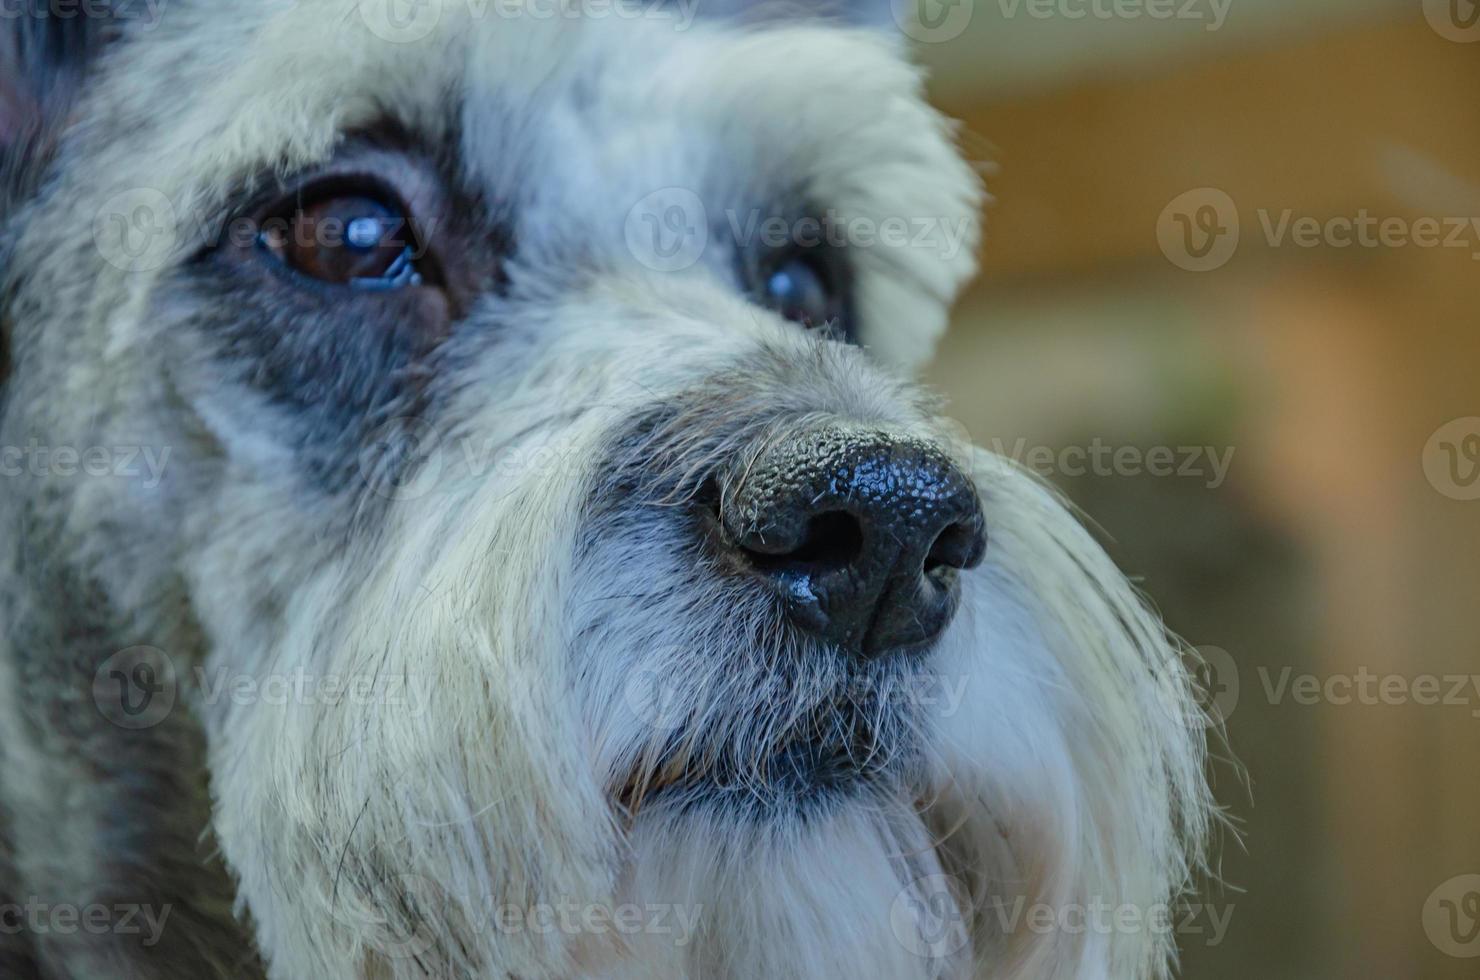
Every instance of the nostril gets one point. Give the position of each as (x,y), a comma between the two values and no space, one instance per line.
(858,533)
(958,545)
(831,540)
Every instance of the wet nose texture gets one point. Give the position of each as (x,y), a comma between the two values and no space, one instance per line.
(861,533)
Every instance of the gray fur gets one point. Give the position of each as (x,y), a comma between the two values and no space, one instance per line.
(496,518)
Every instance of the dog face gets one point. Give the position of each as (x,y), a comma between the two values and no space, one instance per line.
(553,372)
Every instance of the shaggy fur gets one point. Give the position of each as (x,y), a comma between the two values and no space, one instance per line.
(491,526)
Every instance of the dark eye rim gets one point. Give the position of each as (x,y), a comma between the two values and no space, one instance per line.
(831,265)
(283,206)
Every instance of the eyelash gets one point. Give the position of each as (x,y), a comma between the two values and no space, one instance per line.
(416,265)
(281,220)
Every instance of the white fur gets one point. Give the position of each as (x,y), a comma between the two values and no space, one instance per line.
(1069,778)
(380,841)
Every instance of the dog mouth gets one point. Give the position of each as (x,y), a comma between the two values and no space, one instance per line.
(833,753)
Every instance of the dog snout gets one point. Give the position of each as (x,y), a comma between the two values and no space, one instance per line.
(861,533)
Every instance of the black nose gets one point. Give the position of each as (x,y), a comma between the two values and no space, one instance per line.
(862,533)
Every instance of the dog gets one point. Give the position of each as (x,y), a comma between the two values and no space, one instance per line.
(468,513)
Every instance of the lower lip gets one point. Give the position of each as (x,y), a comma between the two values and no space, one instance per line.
(802,775)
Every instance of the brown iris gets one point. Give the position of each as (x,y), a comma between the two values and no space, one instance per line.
(348,239)
(806,285)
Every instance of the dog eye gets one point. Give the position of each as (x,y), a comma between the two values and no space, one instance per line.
(802,286)
(362,240)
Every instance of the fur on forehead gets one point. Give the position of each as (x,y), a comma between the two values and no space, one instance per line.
(569,122)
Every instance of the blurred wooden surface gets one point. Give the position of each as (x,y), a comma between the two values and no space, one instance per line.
(1346,360)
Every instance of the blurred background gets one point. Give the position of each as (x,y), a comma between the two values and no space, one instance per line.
(1230,303)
